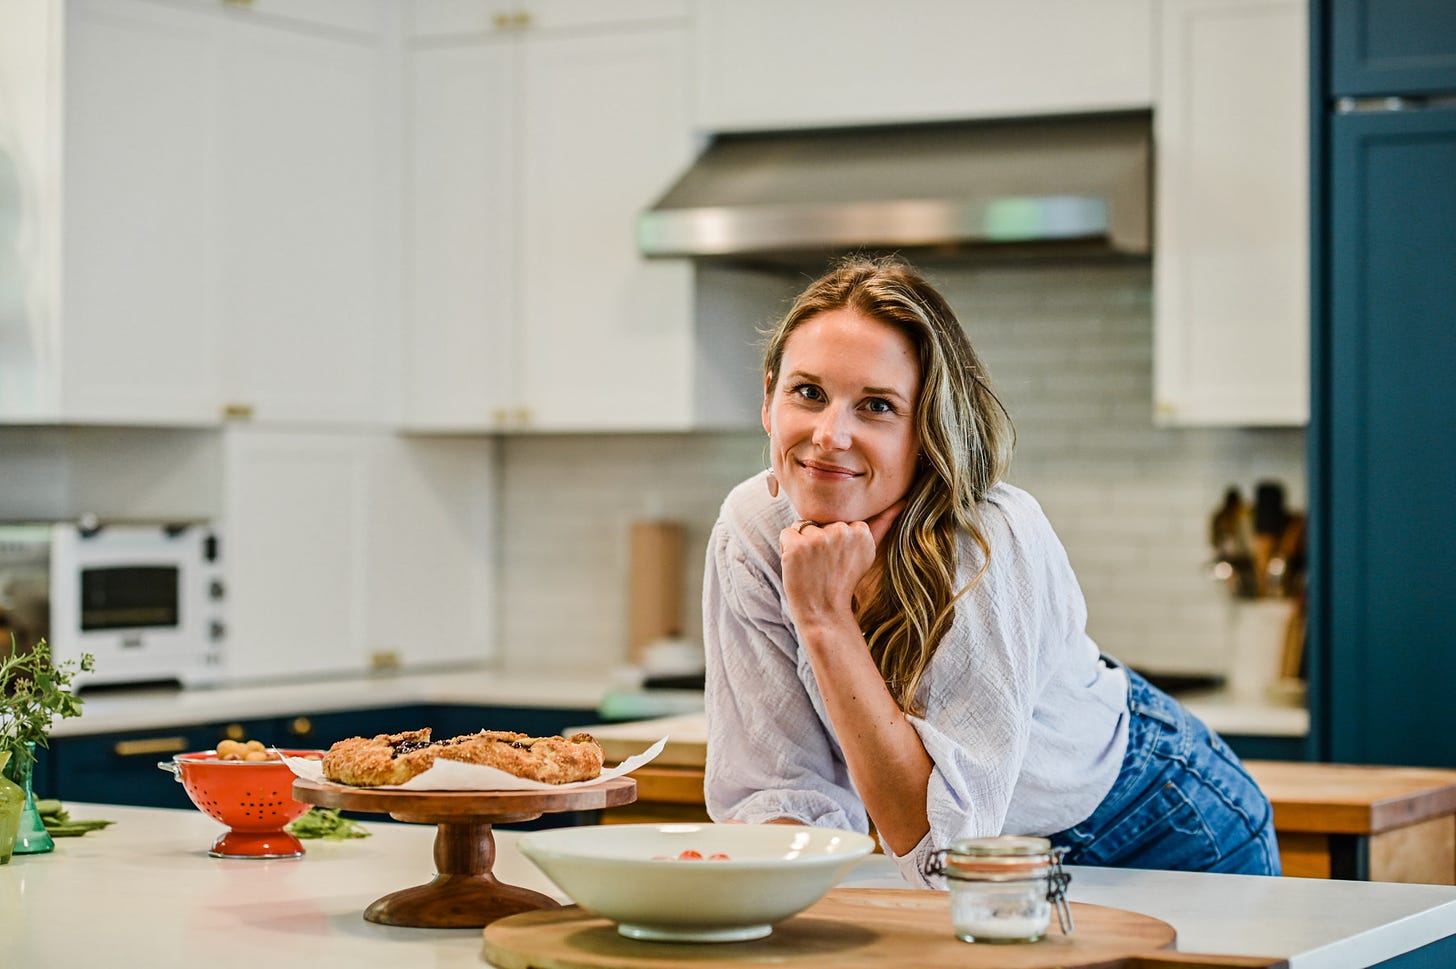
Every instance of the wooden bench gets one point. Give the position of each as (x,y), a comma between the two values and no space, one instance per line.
(1394,824)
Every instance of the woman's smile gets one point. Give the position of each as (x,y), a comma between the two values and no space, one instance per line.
(841,416)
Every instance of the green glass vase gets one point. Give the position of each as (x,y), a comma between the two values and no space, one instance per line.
(31,838)
(12,803)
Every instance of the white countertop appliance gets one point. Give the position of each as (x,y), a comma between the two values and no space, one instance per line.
(145,598)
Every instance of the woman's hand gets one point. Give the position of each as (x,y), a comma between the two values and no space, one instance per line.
(823,565)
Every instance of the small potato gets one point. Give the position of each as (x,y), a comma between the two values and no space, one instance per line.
(255,745)
(257,755)
(231,750)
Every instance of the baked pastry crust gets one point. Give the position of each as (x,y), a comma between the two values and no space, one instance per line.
(390,759)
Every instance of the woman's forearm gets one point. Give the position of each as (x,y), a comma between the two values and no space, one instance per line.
(883,751)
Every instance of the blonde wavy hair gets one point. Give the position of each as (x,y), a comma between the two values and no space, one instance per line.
(966,440)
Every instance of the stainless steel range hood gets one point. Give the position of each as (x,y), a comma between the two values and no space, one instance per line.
(1054,186)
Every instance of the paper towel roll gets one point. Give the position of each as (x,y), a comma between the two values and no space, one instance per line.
(655,585)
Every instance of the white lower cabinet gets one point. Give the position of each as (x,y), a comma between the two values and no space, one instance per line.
(1231,265)
(533,149)
(347,550)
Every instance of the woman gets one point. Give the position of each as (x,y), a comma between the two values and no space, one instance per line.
(896,638)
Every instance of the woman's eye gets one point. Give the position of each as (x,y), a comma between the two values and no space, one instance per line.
(880,405)
(808,392)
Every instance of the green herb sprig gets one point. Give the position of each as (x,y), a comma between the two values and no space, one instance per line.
(35,692)
(326,823)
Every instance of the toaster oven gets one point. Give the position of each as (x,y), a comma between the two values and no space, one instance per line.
(145,598)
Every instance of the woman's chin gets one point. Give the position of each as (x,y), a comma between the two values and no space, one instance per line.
(826,513)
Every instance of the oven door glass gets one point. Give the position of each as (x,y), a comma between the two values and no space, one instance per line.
(129,597)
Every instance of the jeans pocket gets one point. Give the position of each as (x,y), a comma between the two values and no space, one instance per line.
(1165,830)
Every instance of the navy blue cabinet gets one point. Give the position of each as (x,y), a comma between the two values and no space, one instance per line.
(1383,415)
(1392,443)
(122,768)
(1392,47)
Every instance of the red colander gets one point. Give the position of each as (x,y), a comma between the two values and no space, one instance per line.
(253,798)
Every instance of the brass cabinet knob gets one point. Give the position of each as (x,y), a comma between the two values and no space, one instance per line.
(300,726)
(523,416)
(521,19)
(501,21)
(234,731)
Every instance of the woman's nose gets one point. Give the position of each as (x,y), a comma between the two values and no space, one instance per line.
(832,431)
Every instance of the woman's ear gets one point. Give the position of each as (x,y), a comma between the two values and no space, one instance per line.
(767,396)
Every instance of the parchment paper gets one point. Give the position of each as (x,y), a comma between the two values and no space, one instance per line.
(453,775)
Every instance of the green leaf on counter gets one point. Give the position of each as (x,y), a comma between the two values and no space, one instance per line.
(73,829)
(325,824)
(58,822)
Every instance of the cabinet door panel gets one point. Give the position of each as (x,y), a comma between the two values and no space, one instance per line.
(139,331)
(606,333)
(1231,271)
(431,513)
(1392,46)
(767,64)
(300,273)
(462,264)
(122,768)
(1391,469)
(294,520)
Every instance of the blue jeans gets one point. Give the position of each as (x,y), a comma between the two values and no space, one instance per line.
(1182,800)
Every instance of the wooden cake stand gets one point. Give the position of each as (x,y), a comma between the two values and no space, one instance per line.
(464,893)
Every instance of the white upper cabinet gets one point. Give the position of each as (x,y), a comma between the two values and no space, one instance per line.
(1231,271)
(302,278)
(462,235)
(765,64)
(189,211)
(106,114)
(606,334)
(538,132)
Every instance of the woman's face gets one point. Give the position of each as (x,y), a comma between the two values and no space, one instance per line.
(840,416)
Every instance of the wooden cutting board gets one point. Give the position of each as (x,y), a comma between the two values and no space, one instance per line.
(848,929)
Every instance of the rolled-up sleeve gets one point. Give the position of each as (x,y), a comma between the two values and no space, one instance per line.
(769,754)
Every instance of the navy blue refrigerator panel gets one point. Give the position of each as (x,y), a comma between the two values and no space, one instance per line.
(1389,463)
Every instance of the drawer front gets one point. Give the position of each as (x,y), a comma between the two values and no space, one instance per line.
(122,768)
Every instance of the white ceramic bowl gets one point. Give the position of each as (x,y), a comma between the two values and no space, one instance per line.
(632,874)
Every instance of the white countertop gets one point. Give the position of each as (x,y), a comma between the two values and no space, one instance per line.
(145,709)
(145,892)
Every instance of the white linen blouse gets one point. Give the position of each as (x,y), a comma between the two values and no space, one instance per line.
(1024,723)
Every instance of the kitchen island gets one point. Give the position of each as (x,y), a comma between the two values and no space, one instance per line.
(145,892)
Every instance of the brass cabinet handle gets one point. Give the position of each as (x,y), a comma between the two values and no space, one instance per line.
(150,746)
(237,412)
(511,21)
(300,726)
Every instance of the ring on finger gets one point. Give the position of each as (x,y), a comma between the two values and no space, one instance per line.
(805,524)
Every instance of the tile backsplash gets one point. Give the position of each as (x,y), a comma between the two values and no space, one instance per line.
(1069,349)
(1070,352)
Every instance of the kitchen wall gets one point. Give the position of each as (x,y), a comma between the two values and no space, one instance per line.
(1070,350)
